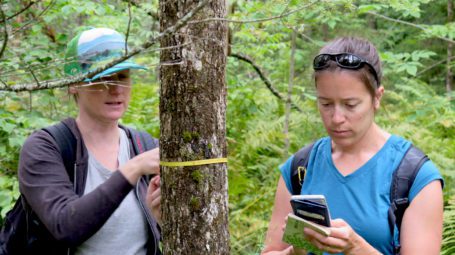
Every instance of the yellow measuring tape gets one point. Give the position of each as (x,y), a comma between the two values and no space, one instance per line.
(194,163)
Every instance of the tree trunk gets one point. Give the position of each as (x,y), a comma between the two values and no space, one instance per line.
(192,114)
(449,76)
(287,118)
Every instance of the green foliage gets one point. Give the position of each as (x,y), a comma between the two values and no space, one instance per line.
(9,192)
(406,62)
(448,237)
(415,104)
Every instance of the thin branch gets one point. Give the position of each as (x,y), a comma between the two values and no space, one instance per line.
(434,65)
(30,99)
(263,78)
(5,33)
(34,77)
(128,28)
(154,15)
(23,10)
(79,78)
(60,62)
(254,20)
(289,97)
(4,83)
(34,18)
(409,24)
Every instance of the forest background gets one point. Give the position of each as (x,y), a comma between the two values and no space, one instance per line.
(271,109)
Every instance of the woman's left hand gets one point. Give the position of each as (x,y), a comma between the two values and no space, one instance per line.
(342,239)
(153,198)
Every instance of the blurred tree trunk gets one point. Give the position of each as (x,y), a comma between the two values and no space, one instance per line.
(192,115)
(287,118)
(449,76)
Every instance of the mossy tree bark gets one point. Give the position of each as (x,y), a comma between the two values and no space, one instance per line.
(192,114)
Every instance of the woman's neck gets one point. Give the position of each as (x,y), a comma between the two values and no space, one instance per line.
(97,132)
(348,159)
(371,142)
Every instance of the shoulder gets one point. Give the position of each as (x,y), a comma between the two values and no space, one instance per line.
(286,167)
(426,174)
(39,139)
(398,144)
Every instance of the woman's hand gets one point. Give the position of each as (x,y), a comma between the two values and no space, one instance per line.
(146,163)
(342,239)
(288,251)
(153,198)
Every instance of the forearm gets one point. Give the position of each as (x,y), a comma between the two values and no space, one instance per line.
(280,251)
(359,247)
(73,219)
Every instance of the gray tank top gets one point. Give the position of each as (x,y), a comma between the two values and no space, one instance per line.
(125,232)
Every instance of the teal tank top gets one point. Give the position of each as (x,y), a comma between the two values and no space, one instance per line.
(361,198)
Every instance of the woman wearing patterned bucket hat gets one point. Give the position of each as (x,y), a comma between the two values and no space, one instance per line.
(353,167)
(106,207)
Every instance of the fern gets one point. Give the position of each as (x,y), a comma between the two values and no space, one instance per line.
(448,237)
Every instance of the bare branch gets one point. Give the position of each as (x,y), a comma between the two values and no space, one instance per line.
(435,65)
(5,33)
(49,84)
(23,9)
(409,24)
(4,84)
(263,78)
(289,97)
(128,28)
(255,20)
(34,76)
(35,18)
(154,15)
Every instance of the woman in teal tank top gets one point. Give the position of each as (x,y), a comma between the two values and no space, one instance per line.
(353,166)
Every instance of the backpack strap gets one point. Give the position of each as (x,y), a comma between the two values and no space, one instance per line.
(141,140)
(402,180)
(298,168)
(66,143)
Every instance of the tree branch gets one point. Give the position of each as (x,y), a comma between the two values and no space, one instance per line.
(23,9)
(35,18)
(407,23)
(128,28)
(49,84)
(5,33)
(255,20)
(435,65)
(154,15)
(263,78)
(289,96)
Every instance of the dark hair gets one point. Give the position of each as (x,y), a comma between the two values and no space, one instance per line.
(361,48)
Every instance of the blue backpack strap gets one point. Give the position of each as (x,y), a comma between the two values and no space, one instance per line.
(298,168)
(402,180)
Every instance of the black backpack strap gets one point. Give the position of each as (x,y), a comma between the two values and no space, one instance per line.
(402,180)
(298,168)
(141,140)
(66,143)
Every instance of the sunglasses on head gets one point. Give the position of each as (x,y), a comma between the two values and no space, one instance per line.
(343,60)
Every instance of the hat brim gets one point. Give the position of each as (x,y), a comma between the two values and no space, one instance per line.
(115,69)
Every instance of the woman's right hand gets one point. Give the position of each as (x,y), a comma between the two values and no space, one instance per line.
(343,239)
(146,163)
(288,251)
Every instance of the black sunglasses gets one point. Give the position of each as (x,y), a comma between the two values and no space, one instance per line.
(343,60)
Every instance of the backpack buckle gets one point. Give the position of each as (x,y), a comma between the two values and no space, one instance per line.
(301,171)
